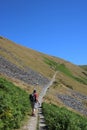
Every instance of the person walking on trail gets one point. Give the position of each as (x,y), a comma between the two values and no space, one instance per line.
(34,101)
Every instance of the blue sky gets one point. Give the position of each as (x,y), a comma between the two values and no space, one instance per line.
(54,27)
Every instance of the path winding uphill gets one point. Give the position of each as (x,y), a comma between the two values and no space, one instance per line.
(32,123)
(44,90)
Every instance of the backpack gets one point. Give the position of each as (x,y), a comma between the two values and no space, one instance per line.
(32,98)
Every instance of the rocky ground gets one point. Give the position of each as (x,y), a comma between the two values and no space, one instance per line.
(27,75)
(75,100)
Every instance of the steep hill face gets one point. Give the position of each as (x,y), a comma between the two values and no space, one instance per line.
(18,63)
(26,64)
(24,57)
(28,76)
(12,54)
(84,67)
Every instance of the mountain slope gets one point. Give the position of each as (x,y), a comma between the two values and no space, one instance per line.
(23,57)
(84,67)
(27,67)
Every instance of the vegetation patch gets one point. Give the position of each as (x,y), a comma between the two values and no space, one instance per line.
(14,105)
(69,86)
(1,37)
(85,73)
(84,67)
(55,84)
(57,66)
(81,80)
(61,67)
(51,63)
(62,119)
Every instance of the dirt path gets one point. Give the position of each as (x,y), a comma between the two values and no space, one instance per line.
(32,123)
(44,90)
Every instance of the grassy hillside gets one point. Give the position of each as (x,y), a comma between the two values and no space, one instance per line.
(24,57)
(84,67)
(69,74)
(71,80)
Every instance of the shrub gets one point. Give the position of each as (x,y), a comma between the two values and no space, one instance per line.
(62,119)
(14,105)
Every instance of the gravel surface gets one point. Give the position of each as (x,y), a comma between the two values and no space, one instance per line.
(75,101)
(28,75)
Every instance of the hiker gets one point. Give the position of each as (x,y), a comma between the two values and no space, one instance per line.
(34,101)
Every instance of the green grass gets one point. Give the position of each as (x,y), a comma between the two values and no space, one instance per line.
(14,105)
(57,66)
(62,119)
(51,63)
(62,68)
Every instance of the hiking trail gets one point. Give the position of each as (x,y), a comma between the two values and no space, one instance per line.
(32,122)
